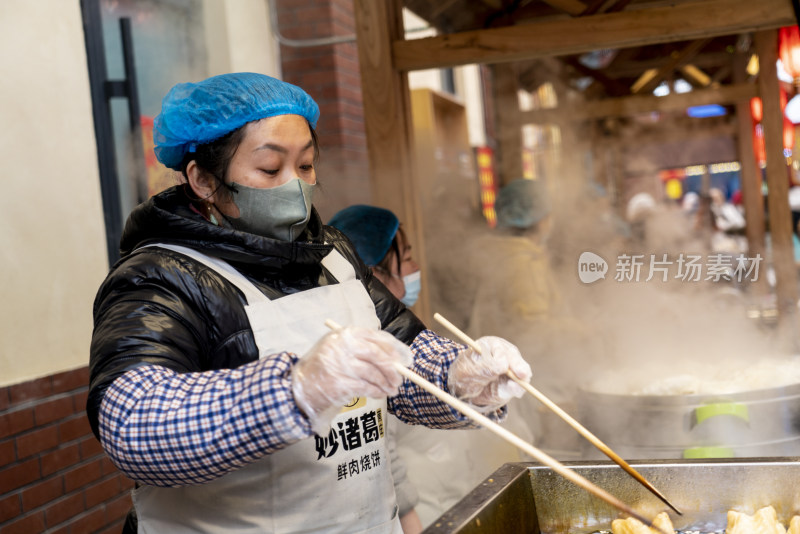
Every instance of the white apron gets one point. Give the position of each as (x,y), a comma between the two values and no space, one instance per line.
(340,483)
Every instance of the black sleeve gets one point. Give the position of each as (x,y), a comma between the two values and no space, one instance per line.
(395,317)
(151,311)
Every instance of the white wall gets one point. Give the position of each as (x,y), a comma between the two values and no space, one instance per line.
(238,37)
(468,85)
(52,237)
(428,78)
(52,232)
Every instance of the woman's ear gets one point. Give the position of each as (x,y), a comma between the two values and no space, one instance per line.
(202,183)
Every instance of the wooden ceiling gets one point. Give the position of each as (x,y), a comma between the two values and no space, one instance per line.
(606,48)
(666,36)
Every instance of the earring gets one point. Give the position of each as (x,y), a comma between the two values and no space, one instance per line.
(210,213)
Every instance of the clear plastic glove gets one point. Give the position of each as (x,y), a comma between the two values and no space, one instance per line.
(481,379)
(350,362)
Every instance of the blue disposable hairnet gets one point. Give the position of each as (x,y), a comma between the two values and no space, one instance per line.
(370,229)
(522,203)
(196,113)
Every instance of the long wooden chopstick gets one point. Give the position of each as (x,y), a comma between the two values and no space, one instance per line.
(594,440)
(518,442)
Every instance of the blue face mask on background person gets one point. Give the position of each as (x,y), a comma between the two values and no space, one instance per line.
(280,212)
(413,285)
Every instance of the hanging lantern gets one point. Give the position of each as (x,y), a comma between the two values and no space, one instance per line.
(789,51)
(759,148)
(756,109)
(788,134)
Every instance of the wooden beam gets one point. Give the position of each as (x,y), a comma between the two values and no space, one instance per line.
(634,105)
(619,5)
(780,215)
(557,37)
(440,7)
(678,131)
(645,78)
(752,198)
(593,7)
(387,122)
(573,7)
(626,68)
(505,103)
(675,60)
(721,74)
(612,87)
(692,73)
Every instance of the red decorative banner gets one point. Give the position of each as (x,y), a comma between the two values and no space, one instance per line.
(488,183)
(158,176)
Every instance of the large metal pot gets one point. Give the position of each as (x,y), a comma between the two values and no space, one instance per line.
(763,422)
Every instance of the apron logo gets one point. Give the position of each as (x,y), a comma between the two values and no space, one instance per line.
(354,403)
(350,434)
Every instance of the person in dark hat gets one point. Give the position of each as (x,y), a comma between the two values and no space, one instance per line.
(519,298)
(519,284)
(378,237)
(380,241)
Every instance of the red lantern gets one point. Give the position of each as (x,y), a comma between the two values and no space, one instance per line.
(756,109)
(788,134)
(789,50)
(759,148)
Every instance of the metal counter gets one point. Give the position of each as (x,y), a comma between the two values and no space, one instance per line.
(529,498)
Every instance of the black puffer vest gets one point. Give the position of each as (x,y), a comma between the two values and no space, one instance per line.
(159,307)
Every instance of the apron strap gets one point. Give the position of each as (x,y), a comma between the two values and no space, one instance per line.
(341,269)
(251,293)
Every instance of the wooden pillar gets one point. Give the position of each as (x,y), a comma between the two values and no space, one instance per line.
(750,173)
(507,124)
(387,122)
(615,168)
(780,218)
(599,166)
(570,171)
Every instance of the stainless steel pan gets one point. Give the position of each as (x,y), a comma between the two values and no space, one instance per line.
(528,498)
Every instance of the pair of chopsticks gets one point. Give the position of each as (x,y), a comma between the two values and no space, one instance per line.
(526,447)
(594,440)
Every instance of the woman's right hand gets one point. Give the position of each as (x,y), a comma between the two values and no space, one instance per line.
(350,362)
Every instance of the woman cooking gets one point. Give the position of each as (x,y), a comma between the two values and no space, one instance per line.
(215,383)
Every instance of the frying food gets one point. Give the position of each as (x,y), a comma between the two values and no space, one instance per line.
(794,525)
(634,526)
(765,521)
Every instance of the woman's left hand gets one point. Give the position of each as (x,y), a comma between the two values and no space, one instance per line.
(482,378)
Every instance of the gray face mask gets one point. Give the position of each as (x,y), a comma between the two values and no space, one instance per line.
(279,212)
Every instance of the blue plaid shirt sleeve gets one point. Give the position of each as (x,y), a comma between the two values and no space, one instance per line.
(170,429)
(164,428)
(433,356)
